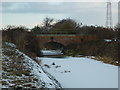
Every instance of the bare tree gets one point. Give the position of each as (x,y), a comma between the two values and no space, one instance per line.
(117,30)
(48,22)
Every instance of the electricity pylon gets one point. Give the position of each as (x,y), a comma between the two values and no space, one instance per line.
(109,16)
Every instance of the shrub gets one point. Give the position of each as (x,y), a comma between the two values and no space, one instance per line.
(109,52)
(24,40)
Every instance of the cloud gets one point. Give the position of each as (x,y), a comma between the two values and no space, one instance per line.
(58,0)
(53,7)
(14,7)
(86,12)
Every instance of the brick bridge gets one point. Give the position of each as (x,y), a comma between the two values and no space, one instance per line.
(64,39)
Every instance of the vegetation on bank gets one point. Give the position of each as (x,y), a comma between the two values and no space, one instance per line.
(21,72)
(23,39)
(15,73)
(108,52)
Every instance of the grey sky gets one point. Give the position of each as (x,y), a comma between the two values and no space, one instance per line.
(32,13)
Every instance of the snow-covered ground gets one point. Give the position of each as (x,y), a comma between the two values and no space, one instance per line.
(36,77)
(38,72)
(68,72)
(81,72)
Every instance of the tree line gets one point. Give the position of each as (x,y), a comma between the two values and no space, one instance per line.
(25,39)
(70,26)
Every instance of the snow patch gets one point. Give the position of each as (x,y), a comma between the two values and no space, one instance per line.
(51,52)
(10,44)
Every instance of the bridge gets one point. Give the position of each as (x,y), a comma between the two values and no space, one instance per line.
(63,39)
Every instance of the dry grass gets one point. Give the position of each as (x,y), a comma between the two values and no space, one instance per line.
(107,60)
(15,71)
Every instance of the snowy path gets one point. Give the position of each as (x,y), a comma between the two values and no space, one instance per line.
(79,72)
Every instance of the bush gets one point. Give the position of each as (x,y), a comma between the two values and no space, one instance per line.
(24,40)
(107,51)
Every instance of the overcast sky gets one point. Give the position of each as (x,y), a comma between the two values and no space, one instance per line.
(32,13)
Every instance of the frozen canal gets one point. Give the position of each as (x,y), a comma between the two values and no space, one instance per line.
(80,72)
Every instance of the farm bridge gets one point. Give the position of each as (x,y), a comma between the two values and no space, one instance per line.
(63,39)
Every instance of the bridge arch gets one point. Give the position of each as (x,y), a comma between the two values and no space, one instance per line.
(54,45)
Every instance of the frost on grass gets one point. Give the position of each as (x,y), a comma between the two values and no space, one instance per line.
(10,44)
(18,70)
